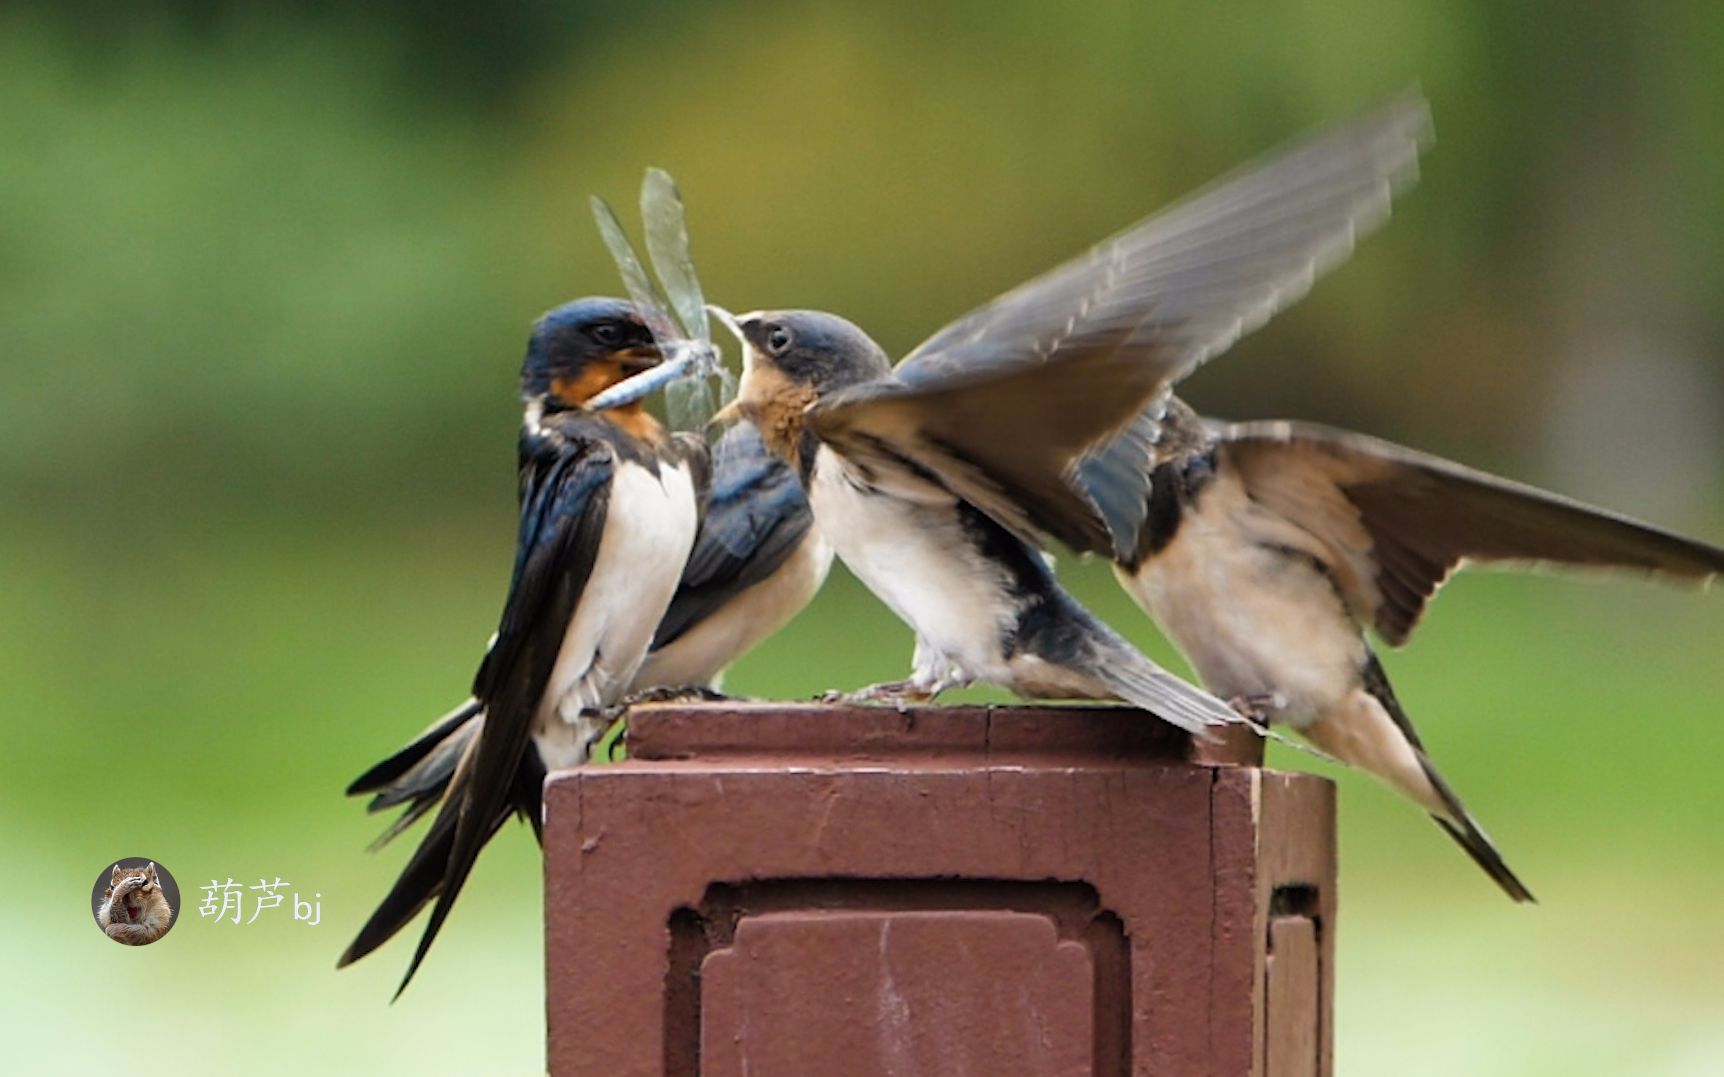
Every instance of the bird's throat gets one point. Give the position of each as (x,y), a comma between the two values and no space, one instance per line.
(777,406)
(637,422)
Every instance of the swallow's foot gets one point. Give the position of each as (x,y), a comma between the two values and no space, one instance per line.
(610,745)
(1259,709)
(900,694)
(687,693)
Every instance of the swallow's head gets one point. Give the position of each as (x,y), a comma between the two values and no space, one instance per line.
(581,349)
(792,358)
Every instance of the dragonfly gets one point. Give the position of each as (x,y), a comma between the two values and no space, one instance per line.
(692,374)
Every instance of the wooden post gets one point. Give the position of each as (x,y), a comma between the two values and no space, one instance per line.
(799,890)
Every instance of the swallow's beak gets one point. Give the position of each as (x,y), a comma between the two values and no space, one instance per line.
(731,412)
(640,358)
(752,391)
(728,320)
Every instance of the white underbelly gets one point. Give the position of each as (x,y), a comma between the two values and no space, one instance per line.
(916,557)
(649,529)
(1250,620)
(701,653)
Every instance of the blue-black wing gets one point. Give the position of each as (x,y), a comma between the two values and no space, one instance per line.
(756,517)
(565,487)
(565,490)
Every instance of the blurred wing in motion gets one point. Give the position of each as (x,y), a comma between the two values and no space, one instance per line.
(1400,522)
(1190,280)
(1003,441)
(1006,403)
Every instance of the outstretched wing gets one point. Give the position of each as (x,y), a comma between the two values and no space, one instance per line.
(1004,442)
(1400,522)
(1126,320)
(756,517)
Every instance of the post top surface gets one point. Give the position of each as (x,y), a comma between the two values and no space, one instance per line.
(771,730)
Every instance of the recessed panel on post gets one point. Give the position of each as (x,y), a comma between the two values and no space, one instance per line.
(849,992)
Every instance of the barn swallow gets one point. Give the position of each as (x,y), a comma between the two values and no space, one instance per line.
(757,561)
(936,481)
(1267,547)
(609,510)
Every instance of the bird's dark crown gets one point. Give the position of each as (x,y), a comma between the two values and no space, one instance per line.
(582,348)
(813,348)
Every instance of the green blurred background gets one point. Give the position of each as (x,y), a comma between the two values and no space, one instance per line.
(264,283)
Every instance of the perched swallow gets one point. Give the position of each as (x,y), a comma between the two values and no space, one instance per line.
(757,562)
(1267,547)
(935,481)
(609,510)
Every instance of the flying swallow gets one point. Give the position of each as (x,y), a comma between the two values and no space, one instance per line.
(1267,547)
(609,510)
(936,481)
(757,561)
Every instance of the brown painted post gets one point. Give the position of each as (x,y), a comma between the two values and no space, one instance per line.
(790,890)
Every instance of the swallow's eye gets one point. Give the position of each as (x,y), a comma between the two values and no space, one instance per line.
(607,333)
(778,340)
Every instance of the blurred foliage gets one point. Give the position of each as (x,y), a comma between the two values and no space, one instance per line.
(264,280)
